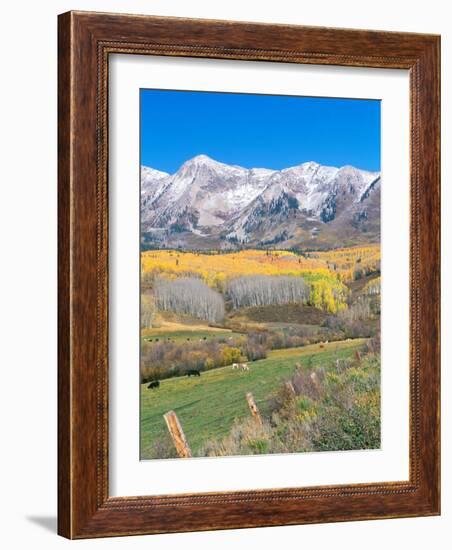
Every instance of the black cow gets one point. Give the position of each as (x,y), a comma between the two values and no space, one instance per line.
(154,384)
(193,372)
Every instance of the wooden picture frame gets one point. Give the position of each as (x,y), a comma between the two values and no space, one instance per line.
(86,40)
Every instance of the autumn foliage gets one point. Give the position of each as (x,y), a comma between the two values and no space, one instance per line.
(324,273)
(351,263)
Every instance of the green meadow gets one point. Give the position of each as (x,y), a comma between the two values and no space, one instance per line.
(208,405)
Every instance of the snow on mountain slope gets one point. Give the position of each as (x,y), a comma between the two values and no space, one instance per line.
(153,182)
(213,200)
(205,193)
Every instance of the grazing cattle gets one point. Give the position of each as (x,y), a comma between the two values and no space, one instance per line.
(244,366)
(321,346)
(193,372)
(235,366)
(154,384)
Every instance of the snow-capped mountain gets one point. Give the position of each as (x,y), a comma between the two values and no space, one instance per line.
(153,183)
(209,204)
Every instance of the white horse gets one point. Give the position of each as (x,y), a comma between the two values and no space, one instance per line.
(235,366)
(244,366)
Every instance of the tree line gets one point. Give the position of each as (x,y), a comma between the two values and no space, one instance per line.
(265,290)
(190,296)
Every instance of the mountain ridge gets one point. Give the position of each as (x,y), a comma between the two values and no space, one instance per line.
(209,204)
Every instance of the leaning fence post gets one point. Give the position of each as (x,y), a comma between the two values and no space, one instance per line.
(253,407)
(177,434)
(290,389)
(315,380)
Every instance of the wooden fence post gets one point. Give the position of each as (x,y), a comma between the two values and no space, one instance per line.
(315,380)
(253,407)
(290,389)
(177,434)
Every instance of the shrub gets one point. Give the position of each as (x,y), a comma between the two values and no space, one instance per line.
(209,363)
(255,351)
(161,447)
(246,437)
(348,415)
(332,409)
(230,355)
(166,359)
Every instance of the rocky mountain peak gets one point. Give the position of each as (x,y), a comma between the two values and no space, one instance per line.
(207,204)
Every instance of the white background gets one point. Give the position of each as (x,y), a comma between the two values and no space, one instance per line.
(128,476)
(28,274)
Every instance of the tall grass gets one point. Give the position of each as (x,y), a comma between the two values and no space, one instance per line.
(330,409)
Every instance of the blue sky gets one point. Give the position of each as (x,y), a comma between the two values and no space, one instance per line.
(258,130)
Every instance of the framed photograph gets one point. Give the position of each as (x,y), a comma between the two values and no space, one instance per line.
(249,268)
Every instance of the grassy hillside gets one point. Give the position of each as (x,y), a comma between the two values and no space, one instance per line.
(207,406)
(179,332)
(288,313)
